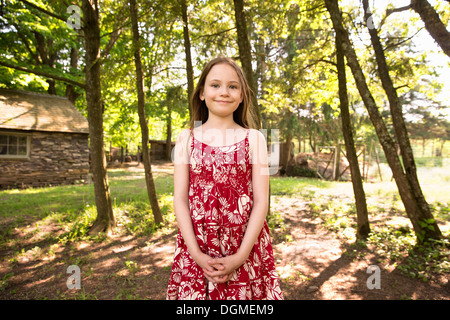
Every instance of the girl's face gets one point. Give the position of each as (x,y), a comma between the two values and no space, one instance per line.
(222,91)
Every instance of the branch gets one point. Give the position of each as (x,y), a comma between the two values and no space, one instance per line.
(391,11)
(404,40)
(54,15)
(35,56)
(112,40)
(44,74)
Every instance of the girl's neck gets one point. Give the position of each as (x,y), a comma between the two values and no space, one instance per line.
(219,134)
(221,124)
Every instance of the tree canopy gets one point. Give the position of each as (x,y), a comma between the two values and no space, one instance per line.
(292,51)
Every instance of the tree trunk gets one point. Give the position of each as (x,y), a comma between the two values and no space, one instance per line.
(142,118)
(187,51)
(245,55)
(362,217)
(423,225)
(435,27)
(169,132)
(400,126)
(43,47)
(287,150)
(105,220)
(71,94)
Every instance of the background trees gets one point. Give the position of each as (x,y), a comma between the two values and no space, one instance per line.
(287,47)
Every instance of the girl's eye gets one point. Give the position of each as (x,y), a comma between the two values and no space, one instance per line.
(215,85)
(233,87)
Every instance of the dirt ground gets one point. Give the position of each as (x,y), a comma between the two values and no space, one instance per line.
(313,265)
(317,265)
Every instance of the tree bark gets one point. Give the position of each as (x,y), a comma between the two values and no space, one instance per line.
(362,217)
(71,93)
(105,220)
(422,223)
(435,27)
(169,134)
(151,190)
(43,47)
(399,124)
(187,51)
(287,150)
(245,55)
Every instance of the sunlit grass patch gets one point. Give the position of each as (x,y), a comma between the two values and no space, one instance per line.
(72,209)
(295,186)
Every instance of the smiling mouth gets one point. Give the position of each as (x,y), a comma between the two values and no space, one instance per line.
(222,101)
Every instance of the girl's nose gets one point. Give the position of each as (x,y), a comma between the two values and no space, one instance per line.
(224,91)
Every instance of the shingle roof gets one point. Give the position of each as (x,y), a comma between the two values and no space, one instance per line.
(41,112)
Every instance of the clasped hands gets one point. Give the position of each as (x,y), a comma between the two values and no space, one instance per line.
(219,270)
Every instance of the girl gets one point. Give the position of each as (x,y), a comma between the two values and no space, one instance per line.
(221,183)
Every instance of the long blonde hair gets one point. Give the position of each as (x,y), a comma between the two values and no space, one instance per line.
(242,115)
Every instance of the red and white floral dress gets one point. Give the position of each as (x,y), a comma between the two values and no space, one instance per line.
(220,200)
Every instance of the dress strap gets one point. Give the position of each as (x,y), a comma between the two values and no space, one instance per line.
(248,153)
(192,141)
(247,137)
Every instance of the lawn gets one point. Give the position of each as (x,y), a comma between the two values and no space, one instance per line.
(44,229)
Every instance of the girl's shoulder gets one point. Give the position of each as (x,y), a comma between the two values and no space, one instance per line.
(184,135)
(256,137)
(257,146)
(184,141)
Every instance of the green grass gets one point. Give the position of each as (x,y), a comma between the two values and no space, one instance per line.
(41,202)
(392,237)
(73,207)
(297,186)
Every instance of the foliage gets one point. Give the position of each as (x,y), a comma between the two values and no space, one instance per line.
(292,45)
(33,40)
(397,246)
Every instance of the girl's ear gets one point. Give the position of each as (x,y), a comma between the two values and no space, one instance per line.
(201,96)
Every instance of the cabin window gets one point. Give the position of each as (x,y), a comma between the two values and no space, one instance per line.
(14,146)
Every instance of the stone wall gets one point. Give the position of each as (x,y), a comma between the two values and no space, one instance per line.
(55,159)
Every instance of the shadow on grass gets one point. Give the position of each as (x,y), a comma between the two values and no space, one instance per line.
(124,267)
(19,208)
(36,246)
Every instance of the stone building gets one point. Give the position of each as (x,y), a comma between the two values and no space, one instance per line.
(44,140)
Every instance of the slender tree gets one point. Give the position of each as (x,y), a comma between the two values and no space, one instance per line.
(245,55)
(397,117)
(151,190)
(435,27)
(187,51)
(105,220)
(362,217)
(423,222)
